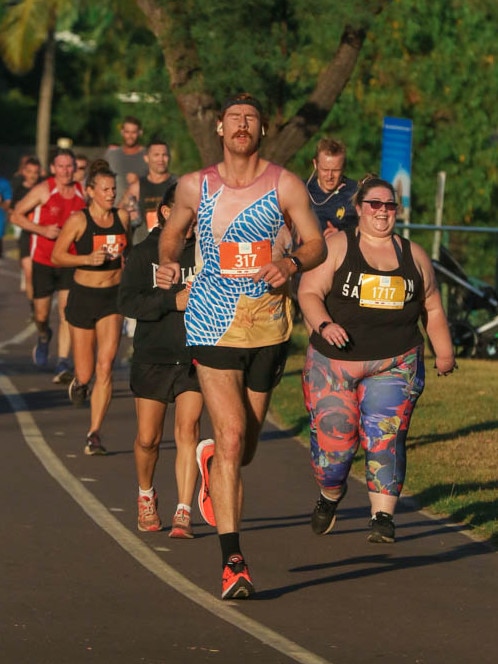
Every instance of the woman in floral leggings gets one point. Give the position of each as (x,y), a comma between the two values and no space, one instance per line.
(365,363)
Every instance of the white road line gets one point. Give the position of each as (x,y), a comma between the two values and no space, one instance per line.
(134,546)
(22,336)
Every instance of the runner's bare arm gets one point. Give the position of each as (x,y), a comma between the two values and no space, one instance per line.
(72,230)
(132,190)
(38,195)
(172,239)
(296,205)
(314,287)
(294,201)
(434,319)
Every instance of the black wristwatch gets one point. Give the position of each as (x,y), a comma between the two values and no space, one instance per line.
(323,325)
(295,260)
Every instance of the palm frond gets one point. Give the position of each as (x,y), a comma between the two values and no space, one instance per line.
(24,30)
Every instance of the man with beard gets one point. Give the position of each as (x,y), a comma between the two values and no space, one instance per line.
(149,190)
(127,160)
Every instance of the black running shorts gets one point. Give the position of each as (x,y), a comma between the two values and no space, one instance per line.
(162,382)
(263,367)
(47,280)
(86,305)
(24,243)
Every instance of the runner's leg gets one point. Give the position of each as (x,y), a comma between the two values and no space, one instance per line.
(84,343)
(257,406)
(223,392)
(188,409)
(150,423)
(108,333)
(64,338)
(42,313)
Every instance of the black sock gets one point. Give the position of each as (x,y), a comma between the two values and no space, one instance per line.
(330,501)
(229,545)
(42,328)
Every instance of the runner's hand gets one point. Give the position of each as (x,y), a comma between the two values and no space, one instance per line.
(275,274)
(51,231)
(445,366)
(168,274)
(98,257)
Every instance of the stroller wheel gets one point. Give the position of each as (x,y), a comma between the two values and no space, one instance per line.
(464,338)
(488,349)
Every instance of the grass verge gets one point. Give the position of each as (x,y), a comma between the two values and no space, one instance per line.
(452,443)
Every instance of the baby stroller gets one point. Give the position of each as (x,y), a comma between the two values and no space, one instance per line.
(472,309)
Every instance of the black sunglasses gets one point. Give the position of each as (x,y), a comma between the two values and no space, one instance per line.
(389,205)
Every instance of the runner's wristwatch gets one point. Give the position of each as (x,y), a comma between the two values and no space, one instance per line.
(296,262)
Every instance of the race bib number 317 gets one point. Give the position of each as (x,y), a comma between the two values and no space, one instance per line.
(243,259)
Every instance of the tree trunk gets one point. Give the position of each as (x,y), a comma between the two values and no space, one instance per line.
(172,28)
(283,143)
(45,103)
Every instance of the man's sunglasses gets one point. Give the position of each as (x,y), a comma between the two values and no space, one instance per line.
(389,205)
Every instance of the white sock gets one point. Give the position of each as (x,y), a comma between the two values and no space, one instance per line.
(149,492)
(182,506)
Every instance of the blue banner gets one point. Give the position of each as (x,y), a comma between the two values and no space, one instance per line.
(396,164)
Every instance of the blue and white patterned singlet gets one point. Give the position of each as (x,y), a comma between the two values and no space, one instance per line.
(237,312)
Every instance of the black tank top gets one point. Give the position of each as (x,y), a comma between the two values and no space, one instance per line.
(380,310)
(151,194)
(113,238)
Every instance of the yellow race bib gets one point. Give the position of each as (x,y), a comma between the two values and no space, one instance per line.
(380,292)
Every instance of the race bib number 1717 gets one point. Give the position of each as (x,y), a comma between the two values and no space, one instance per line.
(382,292)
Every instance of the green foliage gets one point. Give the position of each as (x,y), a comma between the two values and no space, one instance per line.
(17,111)
(25,26)
(272,48)
(91,107)
(433,62)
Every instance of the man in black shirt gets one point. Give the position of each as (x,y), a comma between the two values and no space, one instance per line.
(161,374)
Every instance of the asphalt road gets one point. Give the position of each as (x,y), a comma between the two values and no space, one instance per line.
(80,584)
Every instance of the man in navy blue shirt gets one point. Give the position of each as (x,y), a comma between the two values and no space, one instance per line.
(330,191)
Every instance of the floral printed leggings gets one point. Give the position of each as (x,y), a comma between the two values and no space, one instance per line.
(367,402)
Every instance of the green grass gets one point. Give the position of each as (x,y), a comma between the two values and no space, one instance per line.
(452,443)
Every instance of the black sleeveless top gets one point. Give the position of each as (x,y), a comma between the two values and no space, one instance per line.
(380,310)
(151,194)
(114,239)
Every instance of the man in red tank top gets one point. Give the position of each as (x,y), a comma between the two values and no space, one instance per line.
(53,201)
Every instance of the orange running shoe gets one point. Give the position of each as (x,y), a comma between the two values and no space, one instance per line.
(236,582)
(181,528)
(148,518)
(204,453)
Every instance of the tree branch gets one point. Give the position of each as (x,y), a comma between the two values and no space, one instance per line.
(285,142)
(171,26)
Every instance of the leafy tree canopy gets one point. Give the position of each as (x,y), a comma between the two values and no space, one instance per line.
(433,62)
